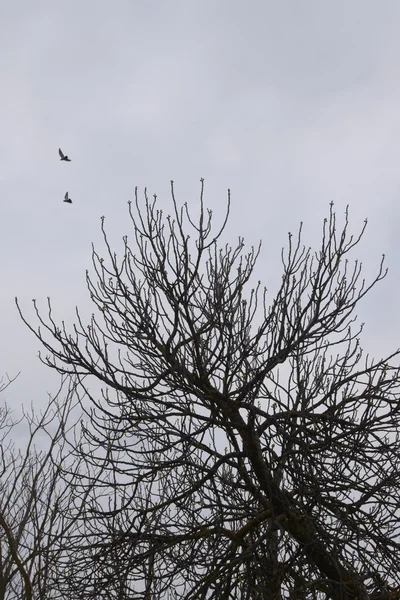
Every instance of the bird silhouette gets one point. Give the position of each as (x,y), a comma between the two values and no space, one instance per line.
(66,199)
(63,156)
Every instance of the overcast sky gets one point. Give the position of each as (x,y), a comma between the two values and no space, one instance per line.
(289,104)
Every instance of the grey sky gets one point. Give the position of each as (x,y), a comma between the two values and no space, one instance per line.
(290,104)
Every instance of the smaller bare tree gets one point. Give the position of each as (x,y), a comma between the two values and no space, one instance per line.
(34,500)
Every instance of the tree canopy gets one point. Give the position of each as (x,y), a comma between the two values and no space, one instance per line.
(242,446)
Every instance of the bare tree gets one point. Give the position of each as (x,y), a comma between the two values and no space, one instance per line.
(242,446)
(34,515)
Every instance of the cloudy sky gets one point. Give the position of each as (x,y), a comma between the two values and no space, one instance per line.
(289,104)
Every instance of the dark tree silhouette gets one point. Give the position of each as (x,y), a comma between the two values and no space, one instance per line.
(242,446)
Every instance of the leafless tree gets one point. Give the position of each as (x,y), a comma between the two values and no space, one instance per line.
(241,446)
(34,515)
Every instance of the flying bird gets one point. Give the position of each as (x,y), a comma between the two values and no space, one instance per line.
(63,156)
(66,199)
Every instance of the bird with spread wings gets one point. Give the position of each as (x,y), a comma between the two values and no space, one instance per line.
(63,156)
